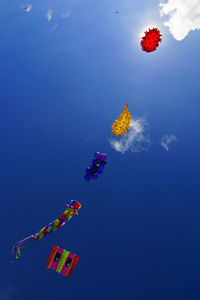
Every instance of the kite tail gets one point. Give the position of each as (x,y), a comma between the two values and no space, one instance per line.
(16,249)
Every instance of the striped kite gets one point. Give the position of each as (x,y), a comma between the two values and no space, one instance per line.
(62,261)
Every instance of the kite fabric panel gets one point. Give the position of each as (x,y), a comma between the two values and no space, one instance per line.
(121,125)
(62,261)
(53,226)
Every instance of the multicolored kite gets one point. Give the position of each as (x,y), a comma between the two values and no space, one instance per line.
(62,261)
(96,167)
(53,226)
(151,40)
(121,125)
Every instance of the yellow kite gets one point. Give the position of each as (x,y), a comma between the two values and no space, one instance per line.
(121,125)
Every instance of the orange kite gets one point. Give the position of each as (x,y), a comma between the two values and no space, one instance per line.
(121,125)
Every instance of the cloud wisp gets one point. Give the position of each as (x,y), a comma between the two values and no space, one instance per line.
(136,140)
(166,140)
(49,14)
(54,27)
(184,16)
(66,15)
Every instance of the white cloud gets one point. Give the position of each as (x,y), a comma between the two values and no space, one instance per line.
(27,7)
(66,15)
(135,140)
(49,14)
(166,140)
(184,16)
(54,27)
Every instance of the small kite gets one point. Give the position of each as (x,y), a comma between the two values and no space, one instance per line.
(62,261)
(27,8)
(96,167)
(121,125)
(151,40)
(53,226)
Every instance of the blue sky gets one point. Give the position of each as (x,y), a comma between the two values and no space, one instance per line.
(137,234)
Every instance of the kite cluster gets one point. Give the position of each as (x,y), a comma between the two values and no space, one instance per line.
(71,210)
(60,260)
(96,167)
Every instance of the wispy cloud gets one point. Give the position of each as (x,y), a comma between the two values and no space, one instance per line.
(54,27)
(49,14)
(184,15)
(66,14)
(27,7)
(166,140)
(136,140)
